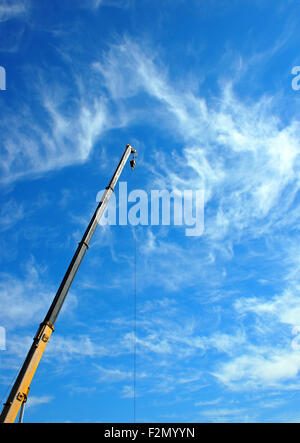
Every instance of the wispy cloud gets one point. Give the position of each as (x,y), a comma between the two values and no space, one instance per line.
(13,8)
(235,415)
(275,369)
(95,5)
(50,141)
(45,150)
(247,161)
(10,214)
(113,375)
(36,401)
(241,153)
(25,298)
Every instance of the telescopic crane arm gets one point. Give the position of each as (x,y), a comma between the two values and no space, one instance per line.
(20,390)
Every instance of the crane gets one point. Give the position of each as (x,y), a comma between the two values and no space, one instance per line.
(21,387)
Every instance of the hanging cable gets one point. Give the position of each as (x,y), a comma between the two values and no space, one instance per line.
(134,316)
(133,164)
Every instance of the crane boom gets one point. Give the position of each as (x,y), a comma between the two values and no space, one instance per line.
(20,390)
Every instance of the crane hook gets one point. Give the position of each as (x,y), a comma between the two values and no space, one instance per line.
(132,161)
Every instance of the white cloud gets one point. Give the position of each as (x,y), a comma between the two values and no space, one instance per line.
(112,375)
(276,369)
(12,8)
(44,150)
(96,4)
(270,357)
(36,401)
(64,349)
(160,333)
(282,308)
(217,415)
(208,403)
(22,300)
(11,213)
(128,392)
(25,299)
(60,128)
(247,161)
(241,154)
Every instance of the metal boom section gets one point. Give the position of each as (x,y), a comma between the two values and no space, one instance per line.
(20,390)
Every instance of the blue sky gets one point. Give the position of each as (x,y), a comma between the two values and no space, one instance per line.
(203,90)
